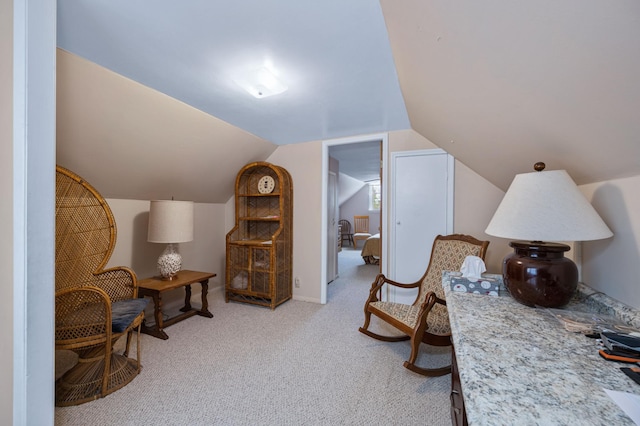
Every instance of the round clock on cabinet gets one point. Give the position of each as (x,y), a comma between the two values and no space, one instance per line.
(266,184)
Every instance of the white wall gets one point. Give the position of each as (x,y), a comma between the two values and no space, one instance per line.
(358,205)
(213,221)
(304,163)
(476,199)
(408,140)
(205,253)
(613,265)
(347,187)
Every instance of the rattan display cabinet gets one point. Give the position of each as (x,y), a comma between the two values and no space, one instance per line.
(260,246)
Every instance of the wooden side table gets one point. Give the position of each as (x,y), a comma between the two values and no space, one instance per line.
(154,287)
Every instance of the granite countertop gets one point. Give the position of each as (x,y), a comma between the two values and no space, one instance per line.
(518,365)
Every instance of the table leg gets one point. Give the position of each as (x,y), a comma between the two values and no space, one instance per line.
(157,330)
(187,299)
(204,311)
(157,311)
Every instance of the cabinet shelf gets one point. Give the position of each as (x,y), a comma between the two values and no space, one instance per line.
(260,246)
(257,194)
(251,242)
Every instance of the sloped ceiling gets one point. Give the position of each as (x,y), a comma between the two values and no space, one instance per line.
(360,161)
(333,55)
(498,84)
(132,142)
(504,84)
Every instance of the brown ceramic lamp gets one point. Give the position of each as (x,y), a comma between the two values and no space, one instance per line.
(544,206)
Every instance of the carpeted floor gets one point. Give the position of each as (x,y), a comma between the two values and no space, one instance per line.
(301,364)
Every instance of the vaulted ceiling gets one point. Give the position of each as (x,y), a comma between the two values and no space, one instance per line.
(498,84)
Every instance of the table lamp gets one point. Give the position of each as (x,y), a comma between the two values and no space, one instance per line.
(544,206)
(170,222)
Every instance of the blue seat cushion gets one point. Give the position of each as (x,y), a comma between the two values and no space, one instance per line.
(123,312)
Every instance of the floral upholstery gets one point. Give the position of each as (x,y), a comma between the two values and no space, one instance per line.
(426,319)
(408,314)
(446,256)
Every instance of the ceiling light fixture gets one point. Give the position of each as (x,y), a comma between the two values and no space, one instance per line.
(261,83)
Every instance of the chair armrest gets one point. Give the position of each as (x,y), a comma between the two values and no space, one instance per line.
(82,317)
(429,301)
(119,283)
(438,300)
(382,280)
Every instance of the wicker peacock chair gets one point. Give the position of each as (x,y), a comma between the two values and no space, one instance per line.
(94,307)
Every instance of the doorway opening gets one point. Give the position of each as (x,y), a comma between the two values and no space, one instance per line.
(364,157)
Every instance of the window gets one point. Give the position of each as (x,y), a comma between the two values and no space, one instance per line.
(374,195)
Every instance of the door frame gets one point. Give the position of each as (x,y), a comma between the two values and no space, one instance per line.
(384,138)
(334,243)
(29,168)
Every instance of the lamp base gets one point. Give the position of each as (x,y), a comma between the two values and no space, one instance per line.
(169,262)
(538,274)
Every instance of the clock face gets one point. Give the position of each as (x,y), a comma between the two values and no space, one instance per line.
(266,184)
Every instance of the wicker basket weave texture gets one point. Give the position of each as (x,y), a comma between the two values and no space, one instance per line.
(259,247)
(85,239)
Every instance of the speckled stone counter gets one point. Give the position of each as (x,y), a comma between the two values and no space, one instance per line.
(519,366)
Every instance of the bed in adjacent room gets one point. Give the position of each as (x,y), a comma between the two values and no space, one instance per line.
(371,250)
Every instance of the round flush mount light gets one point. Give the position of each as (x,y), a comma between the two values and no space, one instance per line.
(260,83)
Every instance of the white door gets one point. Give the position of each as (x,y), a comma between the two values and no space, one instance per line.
(332,227)
(421,208)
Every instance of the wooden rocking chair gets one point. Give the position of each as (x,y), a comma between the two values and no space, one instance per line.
(426,320)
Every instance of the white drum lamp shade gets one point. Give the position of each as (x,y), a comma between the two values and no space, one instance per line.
(170,222)
(546,206)
(539,207)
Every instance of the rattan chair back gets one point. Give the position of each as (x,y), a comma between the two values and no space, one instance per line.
(85,294)
(85,231)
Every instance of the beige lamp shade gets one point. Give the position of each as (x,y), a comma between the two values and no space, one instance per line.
(546,206)
(170,221)
(541,209)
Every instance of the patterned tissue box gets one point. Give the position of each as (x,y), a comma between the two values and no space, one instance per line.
(486,286)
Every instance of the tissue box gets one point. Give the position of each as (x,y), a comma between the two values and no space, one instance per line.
(486,286)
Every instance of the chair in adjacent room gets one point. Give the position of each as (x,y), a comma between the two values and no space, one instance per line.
(426,320)
(94,307)
(360,229)
(345,231)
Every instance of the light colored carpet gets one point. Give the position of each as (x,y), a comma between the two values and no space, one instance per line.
(301,364)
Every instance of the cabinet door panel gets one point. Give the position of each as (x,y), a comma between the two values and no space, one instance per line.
(261,259)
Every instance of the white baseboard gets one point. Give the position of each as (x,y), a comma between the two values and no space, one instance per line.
(306,299)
